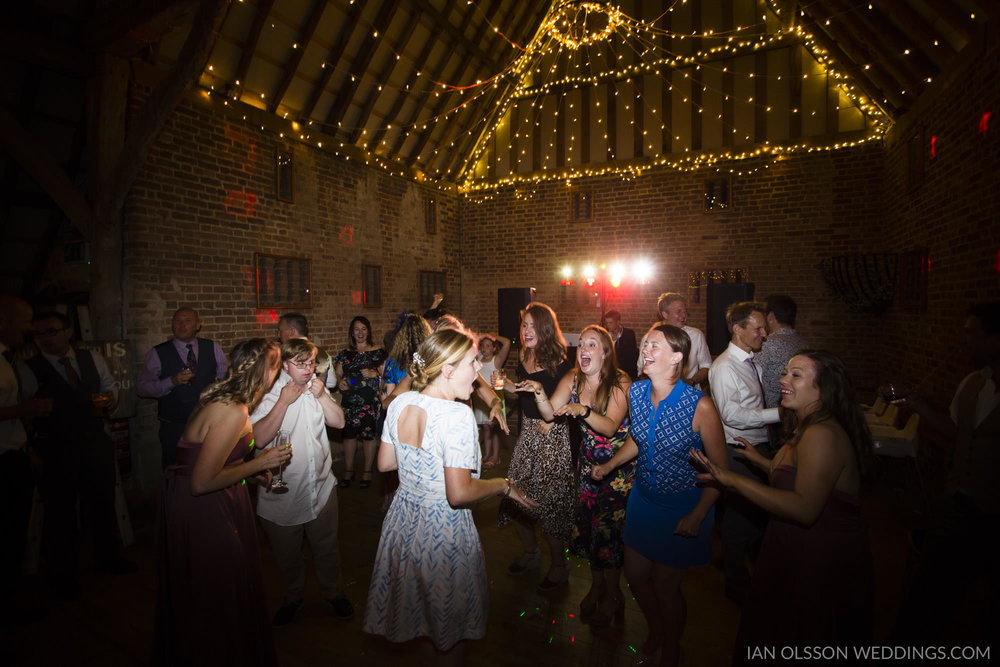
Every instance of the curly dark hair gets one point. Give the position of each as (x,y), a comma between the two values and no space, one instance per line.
(409,337)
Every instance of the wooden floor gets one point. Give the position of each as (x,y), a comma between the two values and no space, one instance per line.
(112,623)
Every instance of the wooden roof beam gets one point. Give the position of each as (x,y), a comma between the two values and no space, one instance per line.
(305,36)
(958,21)
(441,21)
(117,19)
(923,32)
(383,78)
(411,79)
(876,46)
(336,53)
(250,47)
(345,95)
(866,80)
(436,73)
(851,56)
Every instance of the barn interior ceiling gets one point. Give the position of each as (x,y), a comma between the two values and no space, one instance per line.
(479,94)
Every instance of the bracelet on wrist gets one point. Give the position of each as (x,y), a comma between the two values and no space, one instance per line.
(544,399)
(586,413)
(506,494)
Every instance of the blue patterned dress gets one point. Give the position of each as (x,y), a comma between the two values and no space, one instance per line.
(429,578)
(665,488)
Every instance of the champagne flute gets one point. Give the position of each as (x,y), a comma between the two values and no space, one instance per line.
(283,439)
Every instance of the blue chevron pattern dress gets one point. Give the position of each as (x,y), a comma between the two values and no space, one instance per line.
(429,578)
(665,488)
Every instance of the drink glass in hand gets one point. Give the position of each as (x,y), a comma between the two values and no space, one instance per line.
(498,379)
(283,439)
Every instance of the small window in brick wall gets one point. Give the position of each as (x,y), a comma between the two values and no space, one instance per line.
(431,283)
(582,204)
(430,215)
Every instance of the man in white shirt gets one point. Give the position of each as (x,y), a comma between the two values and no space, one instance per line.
(673,311)
(739,396)
(295,325)
(299,404)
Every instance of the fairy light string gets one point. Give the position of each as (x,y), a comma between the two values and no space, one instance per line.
(571,52)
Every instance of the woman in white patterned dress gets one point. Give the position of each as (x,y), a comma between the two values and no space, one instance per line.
(429,578)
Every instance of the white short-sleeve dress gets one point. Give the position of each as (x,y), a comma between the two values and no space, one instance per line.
(429,578)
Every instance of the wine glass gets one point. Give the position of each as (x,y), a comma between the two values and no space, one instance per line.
(283,439)
(498,379)
(894,391)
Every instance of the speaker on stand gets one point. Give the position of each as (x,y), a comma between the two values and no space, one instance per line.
(719,296)
(510,302)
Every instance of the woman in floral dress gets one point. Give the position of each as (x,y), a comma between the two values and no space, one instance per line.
(357,379)
(596,394)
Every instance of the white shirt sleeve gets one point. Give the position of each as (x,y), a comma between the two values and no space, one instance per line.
(731,396)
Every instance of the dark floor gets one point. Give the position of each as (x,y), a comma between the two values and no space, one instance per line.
(112,624)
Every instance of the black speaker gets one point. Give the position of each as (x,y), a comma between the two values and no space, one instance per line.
(510,302)
(719,297)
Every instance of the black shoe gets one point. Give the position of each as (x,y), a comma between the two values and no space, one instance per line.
(284,615)
(342,608)
(365,483)
(345,481)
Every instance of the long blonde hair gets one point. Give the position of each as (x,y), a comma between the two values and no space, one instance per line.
(446,346)
(247,382)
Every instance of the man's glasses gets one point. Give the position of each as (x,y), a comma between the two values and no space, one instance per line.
(305,364)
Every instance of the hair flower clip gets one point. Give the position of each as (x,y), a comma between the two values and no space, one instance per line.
(418,360)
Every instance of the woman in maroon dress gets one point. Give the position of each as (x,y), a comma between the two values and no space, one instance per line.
(812,585)
(210,603)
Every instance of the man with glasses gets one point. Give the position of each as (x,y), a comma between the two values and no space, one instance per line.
(175,372)
(299,405)
(77,454)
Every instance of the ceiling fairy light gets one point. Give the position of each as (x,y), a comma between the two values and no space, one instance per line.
(575,24)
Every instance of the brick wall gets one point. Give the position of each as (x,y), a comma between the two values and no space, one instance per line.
(953,213)
(784,220)
(205,203)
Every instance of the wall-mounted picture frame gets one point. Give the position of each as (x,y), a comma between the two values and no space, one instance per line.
(582,204)
(284,175)
(718,195)
(371,285)
(282,281)
(430,215)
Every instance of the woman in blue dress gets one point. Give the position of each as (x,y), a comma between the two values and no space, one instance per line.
(669,418)
(429,578)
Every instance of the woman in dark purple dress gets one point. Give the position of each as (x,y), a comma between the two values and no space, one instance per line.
(210,603)
(812,585)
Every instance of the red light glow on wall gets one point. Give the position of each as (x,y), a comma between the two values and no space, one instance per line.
(267,316)
(933,146)
(240,203)
(346,235)
(984,122)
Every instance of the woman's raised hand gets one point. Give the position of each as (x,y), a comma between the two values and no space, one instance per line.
(713,472)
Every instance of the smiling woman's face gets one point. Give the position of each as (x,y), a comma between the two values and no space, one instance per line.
(590,354)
